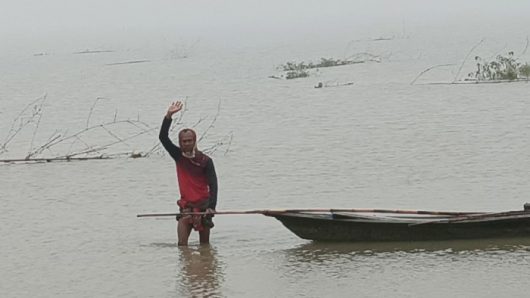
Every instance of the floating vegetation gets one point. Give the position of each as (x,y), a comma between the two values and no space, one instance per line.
(524,70)
(295,70)
(295,74)
(503,68)
(324,62)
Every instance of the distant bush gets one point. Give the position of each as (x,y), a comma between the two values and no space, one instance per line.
(503,68)
(524,70)
(324,62)
(295,74)
(295,70)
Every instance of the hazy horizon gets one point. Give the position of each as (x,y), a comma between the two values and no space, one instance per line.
(250,22)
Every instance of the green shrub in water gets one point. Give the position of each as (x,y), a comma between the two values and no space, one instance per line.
(503,68)
(524,70)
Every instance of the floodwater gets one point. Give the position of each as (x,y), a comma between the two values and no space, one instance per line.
(69,229)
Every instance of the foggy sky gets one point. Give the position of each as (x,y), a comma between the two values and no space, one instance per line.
(29,19)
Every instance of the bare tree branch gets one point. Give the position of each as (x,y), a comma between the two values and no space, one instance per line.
(42,148)
(85,150)
(426,70)
(465,59)
(92,109)
(212,122)
(22,123)
(38,112)
(523,52)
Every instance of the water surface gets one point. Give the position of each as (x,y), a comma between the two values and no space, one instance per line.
(70,229)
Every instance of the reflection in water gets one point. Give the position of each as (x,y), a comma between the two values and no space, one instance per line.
(402,269)
(368,248)
(199,272)
(334,258)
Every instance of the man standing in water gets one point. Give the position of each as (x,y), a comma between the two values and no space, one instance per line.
(196,177)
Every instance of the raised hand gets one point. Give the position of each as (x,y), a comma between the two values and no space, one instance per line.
(173,108)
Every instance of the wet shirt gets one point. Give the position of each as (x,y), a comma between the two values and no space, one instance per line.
(196,176)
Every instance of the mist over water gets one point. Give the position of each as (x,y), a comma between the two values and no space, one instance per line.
(70,229)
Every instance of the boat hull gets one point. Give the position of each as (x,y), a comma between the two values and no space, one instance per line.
(330,228)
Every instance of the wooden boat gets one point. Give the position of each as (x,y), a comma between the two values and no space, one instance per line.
(337,225)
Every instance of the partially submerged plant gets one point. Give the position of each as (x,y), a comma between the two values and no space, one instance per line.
(324,62)
(295,70)
(524,70)
(505,68)
(295,74)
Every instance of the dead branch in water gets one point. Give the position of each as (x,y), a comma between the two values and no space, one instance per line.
(465,59)
(93,52)
(225,141)
(38,115)
(96,141)
(128,62)
(22,121)
(525,47)
(428,69)
(92,109)
(211,122)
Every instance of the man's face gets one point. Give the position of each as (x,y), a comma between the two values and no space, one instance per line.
(186,142)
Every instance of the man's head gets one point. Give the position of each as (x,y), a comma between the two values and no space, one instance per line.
(187,140)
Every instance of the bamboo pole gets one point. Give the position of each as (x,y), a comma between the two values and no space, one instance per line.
(477,216)
(279,211)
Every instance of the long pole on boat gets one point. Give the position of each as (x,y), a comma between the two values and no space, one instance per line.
(276,211)
(476,216)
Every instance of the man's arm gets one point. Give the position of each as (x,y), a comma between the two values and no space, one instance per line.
(163,136)
(212,184)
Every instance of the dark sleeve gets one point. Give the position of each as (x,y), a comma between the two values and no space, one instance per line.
(212,183)
(173,150)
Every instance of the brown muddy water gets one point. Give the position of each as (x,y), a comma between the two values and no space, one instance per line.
(70,229)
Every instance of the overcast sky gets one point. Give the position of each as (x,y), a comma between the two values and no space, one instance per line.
(31,18)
